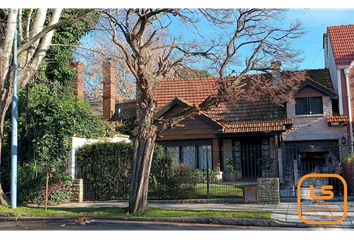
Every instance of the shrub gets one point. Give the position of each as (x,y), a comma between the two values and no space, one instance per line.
(106,170)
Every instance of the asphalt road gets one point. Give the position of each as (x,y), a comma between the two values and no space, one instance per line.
(116,225)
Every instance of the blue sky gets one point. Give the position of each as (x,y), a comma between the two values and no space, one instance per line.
(315,22)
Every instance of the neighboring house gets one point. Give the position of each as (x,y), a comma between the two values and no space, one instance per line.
(338,44)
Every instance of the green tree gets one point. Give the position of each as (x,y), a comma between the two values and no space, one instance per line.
(49,113)
(35,32)
(52,115)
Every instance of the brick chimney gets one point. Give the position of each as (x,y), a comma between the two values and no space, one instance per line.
(78,82)
(109,102)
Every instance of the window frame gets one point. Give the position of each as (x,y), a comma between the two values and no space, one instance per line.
(311,107)
(197,152)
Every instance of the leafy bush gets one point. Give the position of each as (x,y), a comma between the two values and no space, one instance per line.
(202,174)
(182,181)
(106,170)
(48,118)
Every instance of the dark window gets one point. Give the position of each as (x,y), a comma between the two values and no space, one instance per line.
(311,105)
(194,156)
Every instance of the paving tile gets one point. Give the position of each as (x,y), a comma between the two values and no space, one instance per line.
(269,205)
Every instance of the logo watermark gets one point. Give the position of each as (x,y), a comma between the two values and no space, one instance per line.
(327,194)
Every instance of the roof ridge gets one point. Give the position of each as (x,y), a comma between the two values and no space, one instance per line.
(216,78)
(343,25)
(186,79)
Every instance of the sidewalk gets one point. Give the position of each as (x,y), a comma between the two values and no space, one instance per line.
(282,213)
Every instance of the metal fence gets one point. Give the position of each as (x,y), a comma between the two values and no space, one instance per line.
(189,172)
(309,157)
(199,172)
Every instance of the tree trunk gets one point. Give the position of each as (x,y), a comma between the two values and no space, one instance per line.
(4,105)
(144,145)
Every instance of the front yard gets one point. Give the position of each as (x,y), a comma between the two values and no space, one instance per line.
(217,190)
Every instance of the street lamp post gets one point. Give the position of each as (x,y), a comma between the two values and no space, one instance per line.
(14,129)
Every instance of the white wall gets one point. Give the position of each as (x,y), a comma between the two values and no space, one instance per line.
(331,64)
(77,142)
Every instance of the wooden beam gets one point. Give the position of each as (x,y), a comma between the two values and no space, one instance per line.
(216,155)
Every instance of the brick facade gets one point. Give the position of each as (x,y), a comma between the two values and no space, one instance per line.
(78,82)
(109,73)
(313,127)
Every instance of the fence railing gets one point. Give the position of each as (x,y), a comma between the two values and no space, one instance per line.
(190,173)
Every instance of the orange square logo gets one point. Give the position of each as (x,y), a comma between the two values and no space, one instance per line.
(327,194)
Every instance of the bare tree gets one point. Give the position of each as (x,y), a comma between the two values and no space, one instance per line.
(95,53)
(137,32)
(35,33)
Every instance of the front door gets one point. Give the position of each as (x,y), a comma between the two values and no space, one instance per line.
(249,151)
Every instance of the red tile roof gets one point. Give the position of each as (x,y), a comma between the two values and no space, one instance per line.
(234,117)
(337,119)
(342,39)
(192,91)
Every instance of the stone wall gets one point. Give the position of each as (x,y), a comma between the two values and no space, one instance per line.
(268,190)
(77,190)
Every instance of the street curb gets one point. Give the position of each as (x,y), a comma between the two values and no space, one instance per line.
(200,220)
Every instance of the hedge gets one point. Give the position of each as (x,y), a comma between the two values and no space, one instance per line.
(106,170)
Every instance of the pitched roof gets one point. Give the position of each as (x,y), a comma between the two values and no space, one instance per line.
(235,117)
(342,39)
(192,91)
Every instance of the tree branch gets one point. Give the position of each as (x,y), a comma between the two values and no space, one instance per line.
(41,34)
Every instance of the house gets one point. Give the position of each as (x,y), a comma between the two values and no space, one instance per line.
(338,44)
(250,131)
(262,138)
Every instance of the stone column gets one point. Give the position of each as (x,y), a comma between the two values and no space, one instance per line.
(268,190)
(77,190)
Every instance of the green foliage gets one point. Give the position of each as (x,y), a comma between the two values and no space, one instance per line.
(47,120)
(181,182)
(49,114)
(55,67)
(233,165)
(265,162)
(106,170)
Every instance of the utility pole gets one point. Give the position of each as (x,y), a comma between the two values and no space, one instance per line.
(14,129)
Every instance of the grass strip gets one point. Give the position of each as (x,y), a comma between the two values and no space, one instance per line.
(112,212)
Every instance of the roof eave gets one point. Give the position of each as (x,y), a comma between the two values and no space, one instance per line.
(325,90)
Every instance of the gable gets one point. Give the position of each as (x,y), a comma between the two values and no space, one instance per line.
(309,91)
(194,128)
(319,87)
